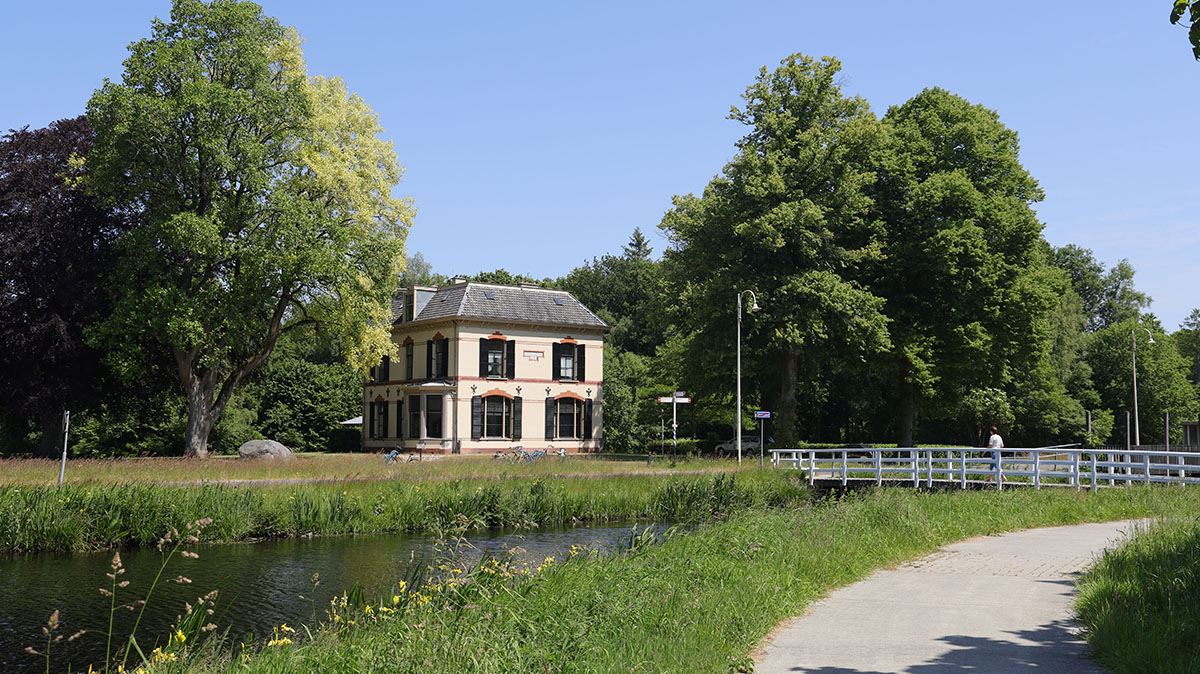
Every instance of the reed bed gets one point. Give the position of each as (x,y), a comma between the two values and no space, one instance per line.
(88,517)
(332,467)
(697,602)
(1138,606)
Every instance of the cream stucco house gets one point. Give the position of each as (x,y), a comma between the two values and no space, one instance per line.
(483,367)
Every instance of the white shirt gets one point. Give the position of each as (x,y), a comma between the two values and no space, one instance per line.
(995,442)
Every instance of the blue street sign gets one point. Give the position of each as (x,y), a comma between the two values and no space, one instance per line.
(762,415)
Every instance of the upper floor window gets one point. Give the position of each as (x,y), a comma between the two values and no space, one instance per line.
(408,361)
(437,357)
(567,361)
(497,358)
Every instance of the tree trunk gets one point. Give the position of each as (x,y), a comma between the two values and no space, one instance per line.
(201,418)
(786,428)
(907,405)
(50,445)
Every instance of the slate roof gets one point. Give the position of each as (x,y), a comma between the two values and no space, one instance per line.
(518,304)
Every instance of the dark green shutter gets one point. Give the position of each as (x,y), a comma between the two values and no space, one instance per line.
(429,359)
(549,418)
(510,360)
(386,373)
(555,354)
(587,419)
(371,421)
(476,417)
(483,356)
(579,368)
(516,418)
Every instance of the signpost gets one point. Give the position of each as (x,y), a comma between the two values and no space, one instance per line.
(675,400)
(762,446)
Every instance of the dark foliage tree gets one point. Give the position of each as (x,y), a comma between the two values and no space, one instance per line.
(56,248)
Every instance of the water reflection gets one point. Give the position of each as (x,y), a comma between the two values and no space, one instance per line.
(268,583)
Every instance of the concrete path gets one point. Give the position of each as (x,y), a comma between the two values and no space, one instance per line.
(994,605)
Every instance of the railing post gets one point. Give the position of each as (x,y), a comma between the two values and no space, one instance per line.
(1075,470)
(1037,469)
(962,473)
(1093,472)
(878,467)
(812,466)
(845,471)
(912,455)
(1146,466)
(999,471)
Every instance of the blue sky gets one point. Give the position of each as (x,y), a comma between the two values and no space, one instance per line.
(537,135)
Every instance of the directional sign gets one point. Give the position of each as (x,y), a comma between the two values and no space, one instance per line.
(762,415)
(669,399)
(680,394)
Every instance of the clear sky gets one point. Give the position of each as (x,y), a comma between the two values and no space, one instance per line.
(537,135)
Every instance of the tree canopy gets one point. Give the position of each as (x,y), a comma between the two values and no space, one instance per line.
(961,272)
(787,219)
(1191,9)
(263,198)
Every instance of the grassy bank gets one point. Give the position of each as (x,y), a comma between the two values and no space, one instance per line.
(365,467)
(700,602)
(1139,605)
(101,516)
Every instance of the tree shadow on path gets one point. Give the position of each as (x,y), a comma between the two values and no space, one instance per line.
(1049,649)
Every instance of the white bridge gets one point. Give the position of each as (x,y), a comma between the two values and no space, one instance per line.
(1037,467)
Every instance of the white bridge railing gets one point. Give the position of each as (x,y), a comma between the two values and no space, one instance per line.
(1078,468)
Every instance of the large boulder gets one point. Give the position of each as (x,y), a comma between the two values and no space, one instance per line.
(264,449)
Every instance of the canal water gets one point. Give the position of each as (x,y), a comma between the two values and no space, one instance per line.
(267,584)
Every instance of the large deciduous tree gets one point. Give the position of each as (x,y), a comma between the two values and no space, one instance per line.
(787,219)
(264,200)
(963,277)
(55,251)
(1108,296)
(1191,9)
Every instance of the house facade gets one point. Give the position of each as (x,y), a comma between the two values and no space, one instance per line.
(483,367)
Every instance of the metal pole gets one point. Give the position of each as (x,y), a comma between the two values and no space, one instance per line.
(762,444)
(1167,430)
(62,470)
(1137,436)
(737,412)
(674,422)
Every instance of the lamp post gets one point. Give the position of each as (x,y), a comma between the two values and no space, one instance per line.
(737,413)
(1137,431)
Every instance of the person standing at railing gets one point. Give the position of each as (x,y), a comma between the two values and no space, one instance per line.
(995,443)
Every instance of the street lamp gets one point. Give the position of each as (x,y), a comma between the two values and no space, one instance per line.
(737,414)
(1137,431)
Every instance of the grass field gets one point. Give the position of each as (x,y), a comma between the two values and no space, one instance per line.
(99,515)
(1139,605)
(699,602)
(44,472)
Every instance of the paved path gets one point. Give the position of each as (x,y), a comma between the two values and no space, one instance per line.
(994,605)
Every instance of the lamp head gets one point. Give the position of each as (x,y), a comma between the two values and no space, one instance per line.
(1151,339)
(755,307)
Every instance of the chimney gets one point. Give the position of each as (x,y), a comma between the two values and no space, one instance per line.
(458,280)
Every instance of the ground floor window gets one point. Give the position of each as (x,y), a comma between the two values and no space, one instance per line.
(498,417)
(569,418)
(433,416)
(414,416)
